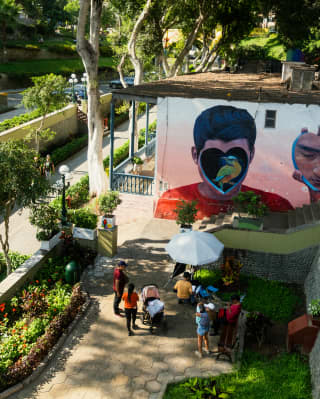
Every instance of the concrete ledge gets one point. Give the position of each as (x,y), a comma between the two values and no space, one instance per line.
(15,280)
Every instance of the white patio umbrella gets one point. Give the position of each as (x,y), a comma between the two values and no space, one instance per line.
(194,248)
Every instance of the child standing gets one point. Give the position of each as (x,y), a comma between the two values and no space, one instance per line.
(130,299)
(203,323)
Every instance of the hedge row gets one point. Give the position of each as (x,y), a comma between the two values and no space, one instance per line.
(62,153)
(19,120)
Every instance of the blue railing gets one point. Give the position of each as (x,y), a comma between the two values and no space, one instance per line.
(133,184)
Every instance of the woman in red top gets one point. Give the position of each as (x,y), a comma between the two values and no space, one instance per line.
(130,299)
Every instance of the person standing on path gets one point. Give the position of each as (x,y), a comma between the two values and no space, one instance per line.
(183,288)
(119,281)
(203,325)
(130,299)
(48,167)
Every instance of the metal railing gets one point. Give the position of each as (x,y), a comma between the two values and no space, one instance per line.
(133,184)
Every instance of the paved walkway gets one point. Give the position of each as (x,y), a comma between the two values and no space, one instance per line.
(22,236)
(99,360)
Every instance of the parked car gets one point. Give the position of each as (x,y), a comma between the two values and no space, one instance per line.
(79,90)
(116,84)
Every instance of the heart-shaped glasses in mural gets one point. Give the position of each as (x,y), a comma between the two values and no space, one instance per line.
(306,158)
(224,170)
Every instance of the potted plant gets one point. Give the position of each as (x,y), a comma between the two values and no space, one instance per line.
(108,203)
(186,214)
(137,164)
(314,310)
(251,204)
(46,218)
(85,223)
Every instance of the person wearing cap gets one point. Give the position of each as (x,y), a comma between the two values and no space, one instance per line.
(184,289)
(224,147)
(119,281)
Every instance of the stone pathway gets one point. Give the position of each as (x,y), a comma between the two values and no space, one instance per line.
(99,360)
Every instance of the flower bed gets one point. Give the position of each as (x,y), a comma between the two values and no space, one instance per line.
(33,320)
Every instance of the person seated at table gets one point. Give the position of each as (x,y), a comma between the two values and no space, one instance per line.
(183,288)
(231,315)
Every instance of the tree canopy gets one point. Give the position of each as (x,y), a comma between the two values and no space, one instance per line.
(21,184)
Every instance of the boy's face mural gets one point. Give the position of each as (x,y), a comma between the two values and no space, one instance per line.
(306,159)
(223,165)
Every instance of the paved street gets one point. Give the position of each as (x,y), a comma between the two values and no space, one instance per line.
(99,360)
(22,235)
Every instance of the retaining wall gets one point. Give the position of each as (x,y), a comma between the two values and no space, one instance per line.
(64,122)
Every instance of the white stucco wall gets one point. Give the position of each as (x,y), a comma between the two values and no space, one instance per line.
(272,167)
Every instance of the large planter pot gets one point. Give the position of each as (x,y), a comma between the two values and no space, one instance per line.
(108,222)
(316,321)
(247,223)
(84,234)
(48,245)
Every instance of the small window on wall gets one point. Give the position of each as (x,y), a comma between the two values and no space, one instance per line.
(270,121)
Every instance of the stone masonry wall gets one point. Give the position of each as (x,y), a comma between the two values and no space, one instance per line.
(291,268)
(312,291)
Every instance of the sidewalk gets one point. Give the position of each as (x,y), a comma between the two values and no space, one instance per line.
(22,236)
(99,360)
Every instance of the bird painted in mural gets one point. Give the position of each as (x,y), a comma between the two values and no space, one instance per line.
(229,171)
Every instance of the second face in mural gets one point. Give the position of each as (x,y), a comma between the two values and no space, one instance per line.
(306,160)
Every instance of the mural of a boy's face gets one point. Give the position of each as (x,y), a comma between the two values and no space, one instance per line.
(223,165)
(306,156)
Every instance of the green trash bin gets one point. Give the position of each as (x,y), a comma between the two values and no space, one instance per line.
(72,272)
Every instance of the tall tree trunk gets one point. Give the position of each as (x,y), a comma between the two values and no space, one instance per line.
(5,241)
(188,45)
(120,71)
(89,52)
(138,68)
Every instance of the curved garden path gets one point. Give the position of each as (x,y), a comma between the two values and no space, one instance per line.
(99,360)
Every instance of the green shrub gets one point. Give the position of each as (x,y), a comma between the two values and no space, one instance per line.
(272,298)
(19,120)
(60,154)
(62,48)
(83,217)
(16,261)
(32,47)
(78,192)
(208,277)
(106,51)
(108,202)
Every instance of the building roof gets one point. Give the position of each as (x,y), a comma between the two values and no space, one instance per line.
(227,86)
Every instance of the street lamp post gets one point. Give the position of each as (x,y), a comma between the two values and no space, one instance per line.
(73,80)
(63,171)
(84,80)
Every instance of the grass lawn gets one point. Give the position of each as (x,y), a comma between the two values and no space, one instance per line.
(285,376)
(274,48)
(42,67)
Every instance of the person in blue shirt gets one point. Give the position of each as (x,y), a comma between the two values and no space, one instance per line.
(203,325)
